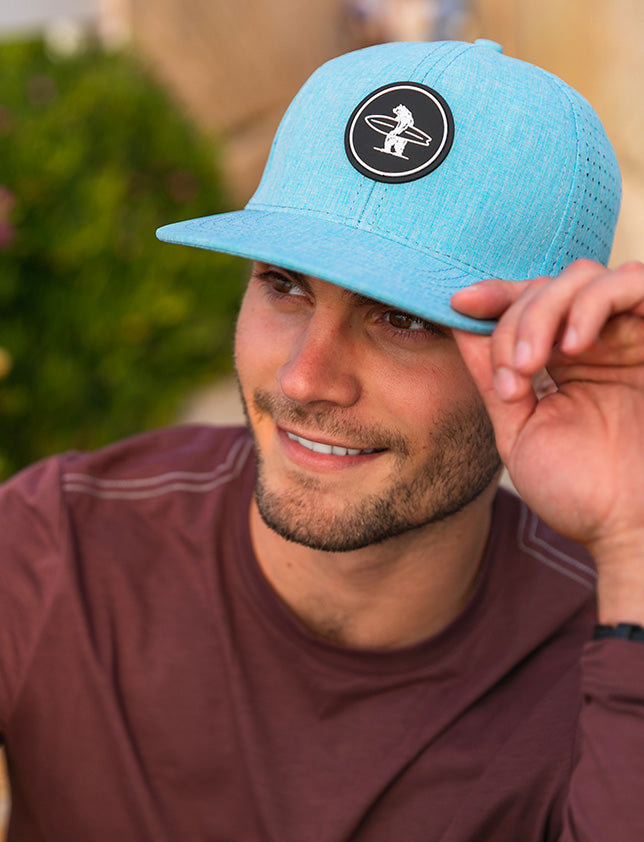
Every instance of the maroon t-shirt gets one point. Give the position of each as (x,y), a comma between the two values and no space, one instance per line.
(153,687)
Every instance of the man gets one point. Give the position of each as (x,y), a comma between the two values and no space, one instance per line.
(340,630)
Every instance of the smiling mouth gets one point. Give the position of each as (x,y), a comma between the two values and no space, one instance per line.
(329,449)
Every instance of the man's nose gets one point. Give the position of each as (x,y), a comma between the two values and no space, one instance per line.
(323,365)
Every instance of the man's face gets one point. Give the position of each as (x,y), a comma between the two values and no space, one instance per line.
(365,419)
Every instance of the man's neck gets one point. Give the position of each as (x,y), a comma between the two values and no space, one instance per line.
(385,596)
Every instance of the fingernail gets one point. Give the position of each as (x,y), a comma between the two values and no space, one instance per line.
(505,383)
(570,339)
(522,353)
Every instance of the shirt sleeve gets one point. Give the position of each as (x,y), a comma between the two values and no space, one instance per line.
(606,797)
(32,534)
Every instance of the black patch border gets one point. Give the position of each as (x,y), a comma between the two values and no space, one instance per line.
(399,179)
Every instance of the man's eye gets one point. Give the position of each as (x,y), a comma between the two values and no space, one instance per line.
(406,326)
(403,321)
(281,284)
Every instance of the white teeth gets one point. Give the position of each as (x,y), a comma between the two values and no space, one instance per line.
(318,447)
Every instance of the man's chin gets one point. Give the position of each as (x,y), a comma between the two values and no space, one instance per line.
(322,522)
(327,534)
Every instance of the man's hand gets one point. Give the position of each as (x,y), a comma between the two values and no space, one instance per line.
(575,449)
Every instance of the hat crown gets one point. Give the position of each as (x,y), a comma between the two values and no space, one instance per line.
(530,183)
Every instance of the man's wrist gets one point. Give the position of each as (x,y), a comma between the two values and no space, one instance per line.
(620,579)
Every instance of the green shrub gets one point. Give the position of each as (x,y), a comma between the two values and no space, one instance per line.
(103,329)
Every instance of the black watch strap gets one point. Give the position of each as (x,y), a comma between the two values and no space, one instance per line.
(624,631)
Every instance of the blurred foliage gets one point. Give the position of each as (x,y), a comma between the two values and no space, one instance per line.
(103,329)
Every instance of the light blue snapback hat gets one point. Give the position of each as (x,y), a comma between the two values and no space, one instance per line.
(407,171)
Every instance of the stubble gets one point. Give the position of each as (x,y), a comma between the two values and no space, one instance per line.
(461,461)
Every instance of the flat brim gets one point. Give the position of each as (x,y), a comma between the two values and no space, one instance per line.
(365,262)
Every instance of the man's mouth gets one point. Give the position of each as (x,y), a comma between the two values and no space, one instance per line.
(329,449)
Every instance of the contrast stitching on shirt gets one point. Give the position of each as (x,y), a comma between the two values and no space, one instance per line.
(160,478)
(556,552)
(529,529)
(131,489)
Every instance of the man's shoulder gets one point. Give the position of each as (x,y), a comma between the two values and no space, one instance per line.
(143,466)
(194,460)
(112,527)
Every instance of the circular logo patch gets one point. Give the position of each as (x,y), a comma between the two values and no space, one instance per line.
(399,132)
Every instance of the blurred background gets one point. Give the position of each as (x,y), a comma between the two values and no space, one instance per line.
(117,116)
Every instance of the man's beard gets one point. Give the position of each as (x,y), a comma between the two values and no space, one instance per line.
(462,461)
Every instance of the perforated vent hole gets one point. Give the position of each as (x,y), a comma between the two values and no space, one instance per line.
(593,234)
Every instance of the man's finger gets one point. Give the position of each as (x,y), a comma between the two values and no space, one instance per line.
(610,294)
(527,332)
(487,299)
